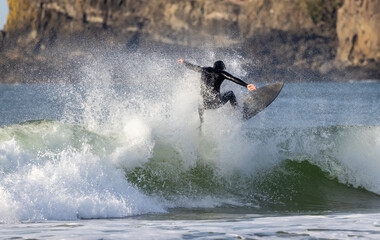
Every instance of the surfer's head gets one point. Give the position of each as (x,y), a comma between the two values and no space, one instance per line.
(219,65)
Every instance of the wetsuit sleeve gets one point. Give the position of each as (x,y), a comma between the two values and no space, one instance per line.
(234,79)
(193,66)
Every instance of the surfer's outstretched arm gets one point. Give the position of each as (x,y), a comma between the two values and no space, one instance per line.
(190,65)
(238,81)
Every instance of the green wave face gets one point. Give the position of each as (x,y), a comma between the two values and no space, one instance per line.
(312,172)
(290,169)
(292,185)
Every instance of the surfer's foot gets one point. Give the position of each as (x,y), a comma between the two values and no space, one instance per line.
(200,129)
(235,106)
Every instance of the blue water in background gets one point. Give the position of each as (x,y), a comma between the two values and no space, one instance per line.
(300,104)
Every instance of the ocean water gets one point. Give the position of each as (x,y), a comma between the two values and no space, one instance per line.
(105,160)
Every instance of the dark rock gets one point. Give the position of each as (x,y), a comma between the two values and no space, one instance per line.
(294,40)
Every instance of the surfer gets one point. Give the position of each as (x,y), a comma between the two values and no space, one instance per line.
(211,80)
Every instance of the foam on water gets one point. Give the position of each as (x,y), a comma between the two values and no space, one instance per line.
(208,226)
(67,185)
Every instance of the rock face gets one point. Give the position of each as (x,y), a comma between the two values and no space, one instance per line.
(358,31)
(189,23)
(291,39)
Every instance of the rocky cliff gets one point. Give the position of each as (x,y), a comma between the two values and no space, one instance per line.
(293,39)
(189,22)
(358,30)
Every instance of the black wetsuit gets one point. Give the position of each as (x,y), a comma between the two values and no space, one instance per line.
(211,80)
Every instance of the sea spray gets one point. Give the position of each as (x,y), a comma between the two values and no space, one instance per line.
(135,147)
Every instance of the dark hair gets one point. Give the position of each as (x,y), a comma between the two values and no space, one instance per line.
(219,65)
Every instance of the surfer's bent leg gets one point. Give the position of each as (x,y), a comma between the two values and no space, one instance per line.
(229,96)
(210,104)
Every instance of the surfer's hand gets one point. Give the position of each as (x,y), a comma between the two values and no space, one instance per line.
(180,60)
(251,87)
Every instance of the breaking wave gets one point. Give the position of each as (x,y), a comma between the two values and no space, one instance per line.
(118,150)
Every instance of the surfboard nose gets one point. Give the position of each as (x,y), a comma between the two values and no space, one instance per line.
(258,100)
